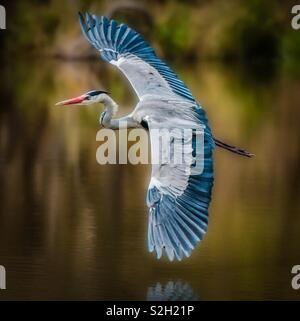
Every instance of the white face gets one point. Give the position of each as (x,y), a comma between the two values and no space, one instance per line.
(85,100)
(89,100)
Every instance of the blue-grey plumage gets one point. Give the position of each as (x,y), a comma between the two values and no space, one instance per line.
(178,200)
(176,224)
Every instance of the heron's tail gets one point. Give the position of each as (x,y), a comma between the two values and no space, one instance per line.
(232,149)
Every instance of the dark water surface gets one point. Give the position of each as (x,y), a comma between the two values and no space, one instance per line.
(72,229)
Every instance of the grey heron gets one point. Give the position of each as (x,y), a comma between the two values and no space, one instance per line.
(178,201)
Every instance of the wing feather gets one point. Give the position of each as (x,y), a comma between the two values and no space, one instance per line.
(116,41)
(179,201)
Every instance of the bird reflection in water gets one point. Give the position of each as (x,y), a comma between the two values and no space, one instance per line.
(172,291)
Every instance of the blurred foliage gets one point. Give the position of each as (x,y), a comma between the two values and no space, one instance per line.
(254,33)
(174,33)
(32,26)
(291,52)
(249,32)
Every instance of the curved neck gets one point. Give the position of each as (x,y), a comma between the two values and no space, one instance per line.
(110,109)
(110,106)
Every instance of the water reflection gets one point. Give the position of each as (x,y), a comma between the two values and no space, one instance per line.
(172,291)
(71,229)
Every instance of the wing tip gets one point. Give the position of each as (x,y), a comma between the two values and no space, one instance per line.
(87,15)
(170,253)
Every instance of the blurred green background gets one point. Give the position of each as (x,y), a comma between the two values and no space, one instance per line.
(72,229)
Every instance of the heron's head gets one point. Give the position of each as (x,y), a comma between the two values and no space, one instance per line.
(89,98)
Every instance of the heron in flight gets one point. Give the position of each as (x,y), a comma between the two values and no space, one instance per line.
(178,201)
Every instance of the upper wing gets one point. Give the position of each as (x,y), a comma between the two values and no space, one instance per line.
(178,197)
(124,47)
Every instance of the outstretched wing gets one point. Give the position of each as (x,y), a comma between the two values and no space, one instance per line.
(179,196)
(124,47)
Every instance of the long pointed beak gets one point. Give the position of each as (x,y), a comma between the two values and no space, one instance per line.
(73,101)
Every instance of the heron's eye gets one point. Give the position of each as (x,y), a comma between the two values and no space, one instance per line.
(88,98)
